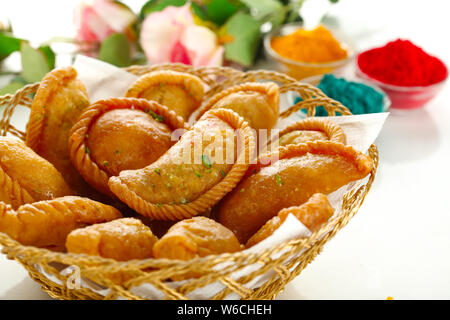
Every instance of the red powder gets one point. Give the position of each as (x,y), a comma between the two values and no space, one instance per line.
(402,63)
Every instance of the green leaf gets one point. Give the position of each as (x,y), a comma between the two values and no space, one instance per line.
(246,33)
(11,88)
(122,5)
(115,50)
(145,10)
(139,59)
(8,45)
(294,11)
(34,63)
(220,10)
(267,10)
(199,11)
(158,5)
(49,55)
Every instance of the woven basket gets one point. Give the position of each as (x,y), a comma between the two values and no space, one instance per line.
(279,264)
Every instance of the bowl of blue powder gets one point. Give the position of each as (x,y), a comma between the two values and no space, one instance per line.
(360,97)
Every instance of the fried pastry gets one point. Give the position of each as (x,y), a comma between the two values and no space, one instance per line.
(122,239)
(313,214)
(258,103)
(289,177)
(60,99)
(180,92)
(26,177)
(194,174)
(160,227)
(311,129)
(195,237)
(47,223)
(119,134)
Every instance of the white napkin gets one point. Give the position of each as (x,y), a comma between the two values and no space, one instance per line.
(102,80)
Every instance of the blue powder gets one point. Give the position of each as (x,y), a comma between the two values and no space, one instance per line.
(357,97)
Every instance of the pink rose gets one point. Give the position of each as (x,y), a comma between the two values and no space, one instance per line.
(171,35)
(100,18)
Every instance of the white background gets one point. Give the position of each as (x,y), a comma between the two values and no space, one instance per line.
(399,243)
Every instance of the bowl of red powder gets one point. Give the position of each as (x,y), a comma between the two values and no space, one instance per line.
(410,76)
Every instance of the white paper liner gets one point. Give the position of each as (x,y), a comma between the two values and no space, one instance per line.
(102,80)
(105,81)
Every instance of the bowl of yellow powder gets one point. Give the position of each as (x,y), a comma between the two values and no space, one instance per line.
(303,53)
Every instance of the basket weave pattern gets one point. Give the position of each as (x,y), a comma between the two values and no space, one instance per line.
(120,277)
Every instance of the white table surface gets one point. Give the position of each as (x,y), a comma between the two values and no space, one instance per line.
(398,244)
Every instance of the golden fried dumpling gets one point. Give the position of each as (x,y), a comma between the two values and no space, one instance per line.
(179,91)
(257,102)
(311,129)
(122,239)
(60,99)
(119,134)
(47,223)
(195,237)
(300,171)
(160,227)
(313,214)
(25,177)
(194,174)
(124,139)
(301,136)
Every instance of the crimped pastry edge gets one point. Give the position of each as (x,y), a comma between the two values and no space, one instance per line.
(13,186)
(210,197)
(331,129)
(313,200)
(64,206)
(192,83)
(46,88)
(361,161)
(271,89)
(82,161)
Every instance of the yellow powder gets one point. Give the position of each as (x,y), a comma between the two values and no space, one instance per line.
(314,46)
